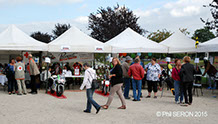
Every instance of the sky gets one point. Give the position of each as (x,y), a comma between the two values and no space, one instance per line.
(42,15)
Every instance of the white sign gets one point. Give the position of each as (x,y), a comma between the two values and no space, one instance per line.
(107,83)
(196,60)
(99,48)
(168,59)
(65,48)
(37,60)
(25,57)
(47,60)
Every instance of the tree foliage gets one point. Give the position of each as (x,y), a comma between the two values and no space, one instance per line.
(43,37)
(60,29)
(108,22)
(203,34)
(212,24)
(184,31)
(159,35)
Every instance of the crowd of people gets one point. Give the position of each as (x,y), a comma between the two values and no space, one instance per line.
(15,73)
(129,72)
(135,72)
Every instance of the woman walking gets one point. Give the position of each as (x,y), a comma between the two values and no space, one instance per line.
(177,82)
(153,76)
(90,74)
(187,77)
(20,76)
(116,83)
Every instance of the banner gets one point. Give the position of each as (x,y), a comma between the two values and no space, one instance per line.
(73,57)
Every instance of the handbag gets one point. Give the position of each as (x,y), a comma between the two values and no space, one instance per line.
(95,84)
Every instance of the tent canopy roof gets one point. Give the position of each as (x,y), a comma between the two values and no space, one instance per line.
(213,41)
(209,46)
(130,41)
(179,43)
(77,41)
(14,39)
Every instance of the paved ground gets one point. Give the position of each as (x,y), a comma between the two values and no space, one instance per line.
(45,109)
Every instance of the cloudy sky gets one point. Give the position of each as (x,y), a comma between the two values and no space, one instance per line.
(42,15)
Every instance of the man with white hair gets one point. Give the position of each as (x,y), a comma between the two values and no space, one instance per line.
(34,71)
(125,68)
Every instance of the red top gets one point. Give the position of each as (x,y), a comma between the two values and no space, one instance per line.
(175,74)
(137,71)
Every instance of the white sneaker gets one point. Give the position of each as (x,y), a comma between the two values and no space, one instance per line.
(177,102)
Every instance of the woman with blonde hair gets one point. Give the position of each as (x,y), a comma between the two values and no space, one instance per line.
(116,81)
(187,77)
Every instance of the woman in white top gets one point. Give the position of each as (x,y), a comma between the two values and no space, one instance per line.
(90,74)
(67,71)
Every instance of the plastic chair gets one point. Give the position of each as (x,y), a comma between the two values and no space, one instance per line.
(197,85)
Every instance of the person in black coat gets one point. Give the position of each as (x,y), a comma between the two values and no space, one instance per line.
(116,80)
(187,77)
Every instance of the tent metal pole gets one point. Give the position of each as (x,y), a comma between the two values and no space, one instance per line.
(167,66)
(94,60)
(46,83)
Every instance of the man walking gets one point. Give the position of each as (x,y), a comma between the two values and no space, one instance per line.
(125,68)
(137,71)
(90,74)
(34,71)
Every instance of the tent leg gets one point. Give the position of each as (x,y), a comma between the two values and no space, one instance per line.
(94,60)
(46,83)
(40,61)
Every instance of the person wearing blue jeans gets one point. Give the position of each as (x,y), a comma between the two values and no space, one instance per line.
(210,83)
(178,91)
(90,101)
(89,76)
(125,69)
(177,81)
(137,83)
(127,87)
(137,72)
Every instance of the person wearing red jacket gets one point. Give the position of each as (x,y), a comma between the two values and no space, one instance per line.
(137,72)
(177,82)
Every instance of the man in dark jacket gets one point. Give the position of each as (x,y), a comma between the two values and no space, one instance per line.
(187,77)
(211,71)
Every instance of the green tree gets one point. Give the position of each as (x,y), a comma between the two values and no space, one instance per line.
(203,34)
(159,35)
(43,37)
(60,29)
(108,22)
(212,24)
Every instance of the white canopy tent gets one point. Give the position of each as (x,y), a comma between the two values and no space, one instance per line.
(75,41)
(130,41)
(13,39)
(179,43)
(209,46)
